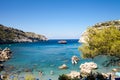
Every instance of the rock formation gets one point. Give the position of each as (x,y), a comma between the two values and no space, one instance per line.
(5,54)
(11,35)
(115,23)
(74,74)
(87,67)
(116,69)
(64,66)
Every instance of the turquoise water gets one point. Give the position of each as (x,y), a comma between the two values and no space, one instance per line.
(46,56)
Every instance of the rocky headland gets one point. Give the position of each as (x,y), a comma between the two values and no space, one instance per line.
(115,23)
(12,35)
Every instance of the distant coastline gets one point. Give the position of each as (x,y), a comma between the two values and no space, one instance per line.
(12,35)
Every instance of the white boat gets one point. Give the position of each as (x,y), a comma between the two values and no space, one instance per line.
(62,42)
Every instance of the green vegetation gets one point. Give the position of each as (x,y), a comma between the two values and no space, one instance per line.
(91,76)
(101,41)
(96,76)
(115,23)
(64,77)
(6,35)
(29,77)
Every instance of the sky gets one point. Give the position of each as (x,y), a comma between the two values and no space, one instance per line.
(57,19)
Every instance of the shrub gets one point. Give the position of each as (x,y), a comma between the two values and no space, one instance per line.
(29,77)
(63,77)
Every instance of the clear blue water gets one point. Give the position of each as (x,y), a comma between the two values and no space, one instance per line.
(47,56)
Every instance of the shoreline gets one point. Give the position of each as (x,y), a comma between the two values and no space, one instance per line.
(37,76)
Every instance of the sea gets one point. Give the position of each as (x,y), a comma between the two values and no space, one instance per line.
(46,57)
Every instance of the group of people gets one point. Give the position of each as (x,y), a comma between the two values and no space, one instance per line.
(41,73)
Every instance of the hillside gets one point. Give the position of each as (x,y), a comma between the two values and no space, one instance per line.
(115,23)
(11,35)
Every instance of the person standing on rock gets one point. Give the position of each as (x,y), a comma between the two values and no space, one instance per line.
(74,59)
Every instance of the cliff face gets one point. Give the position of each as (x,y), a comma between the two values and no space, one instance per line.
(11,35)
(115,23)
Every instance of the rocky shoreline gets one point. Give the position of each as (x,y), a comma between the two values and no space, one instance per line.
(5,55)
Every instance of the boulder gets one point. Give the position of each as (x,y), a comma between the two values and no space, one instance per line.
(116,69)
(87,67)
(74,74)
(5,54)
(64,66)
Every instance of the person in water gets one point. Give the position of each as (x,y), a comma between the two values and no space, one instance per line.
(51,72)
(40,73)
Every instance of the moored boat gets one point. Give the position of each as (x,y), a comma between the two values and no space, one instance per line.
(62,42)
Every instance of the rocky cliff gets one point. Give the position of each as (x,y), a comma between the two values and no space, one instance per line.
(11,35)
(115,23)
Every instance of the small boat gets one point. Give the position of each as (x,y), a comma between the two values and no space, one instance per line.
(62,42)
